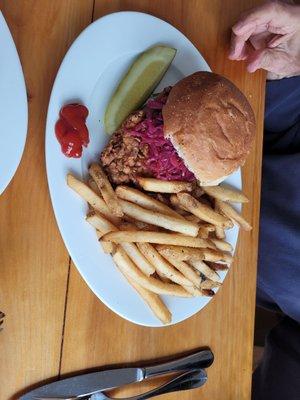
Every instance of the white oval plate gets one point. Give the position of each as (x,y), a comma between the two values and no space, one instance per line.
(13,107)
(89,73)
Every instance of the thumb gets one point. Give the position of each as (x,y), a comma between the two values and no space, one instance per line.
(272,60)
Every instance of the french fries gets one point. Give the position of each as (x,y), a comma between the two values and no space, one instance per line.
(87,194)
(102,226)
(100,223)
(107,247)
(126,266)
(156,218)
(158,238)
(162,266)
(176,204)
(205,270)
(159,186)
(221,244)
(144,200)
(94,187)
(154,302)
(105,227)
(209,284)
(186,270)
(188,253)
(225,193)
(138,258)
(169,243)
(231,213)
(106,189)
(203,211)
(217,255)
(220,233)
(166,270)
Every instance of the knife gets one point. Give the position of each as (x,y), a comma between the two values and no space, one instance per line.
(88,384)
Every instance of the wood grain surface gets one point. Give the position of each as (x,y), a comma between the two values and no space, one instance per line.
(54,323)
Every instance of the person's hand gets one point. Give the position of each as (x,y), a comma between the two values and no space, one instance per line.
(268,37)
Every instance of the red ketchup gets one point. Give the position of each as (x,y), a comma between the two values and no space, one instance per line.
(71,130)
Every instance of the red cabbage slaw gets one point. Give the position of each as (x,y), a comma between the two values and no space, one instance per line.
(163,161)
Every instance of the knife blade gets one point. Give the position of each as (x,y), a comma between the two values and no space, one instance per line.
(88,384)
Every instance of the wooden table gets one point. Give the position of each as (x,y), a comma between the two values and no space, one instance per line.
(54,323)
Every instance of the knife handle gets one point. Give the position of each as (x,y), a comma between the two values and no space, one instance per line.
(201,359)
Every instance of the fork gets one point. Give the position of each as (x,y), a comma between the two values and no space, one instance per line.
(188,380)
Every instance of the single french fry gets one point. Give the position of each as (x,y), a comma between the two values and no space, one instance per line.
(143,226)
(209,284)
(102,227)
(100,223)
(157,237)
(106,189)
(144,200)
(156,218)
(193,290)
(221,244)
(94,187)
(226,193)
(159,186)
(188,253)
(162,266)
(127,267)
(219,232)
(216,255)
(138,258)
(205,270)
(155,303)
(107,247)
(231,213)
(87,194)
(203,211)
(186,270)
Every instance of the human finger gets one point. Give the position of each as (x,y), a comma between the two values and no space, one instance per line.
(272,60)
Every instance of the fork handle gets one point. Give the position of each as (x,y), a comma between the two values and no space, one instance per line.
(186,381)
(201,359)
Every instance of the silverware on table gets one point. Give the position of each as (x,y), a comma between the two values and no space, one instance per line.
(186,381)
(83,386)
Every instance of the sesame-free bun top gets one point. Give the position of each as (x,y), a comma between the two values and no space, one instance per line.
(211,125)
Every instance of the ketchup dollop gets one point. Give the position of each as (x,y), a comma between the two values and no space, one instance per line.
(71,131)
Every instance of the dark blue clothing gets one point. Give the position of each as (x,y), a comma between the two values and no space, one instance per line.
(278,282)
(279,252)
(278,375)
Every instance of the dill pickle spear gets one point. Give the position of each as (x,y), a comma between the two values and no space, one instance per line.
(139,82)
